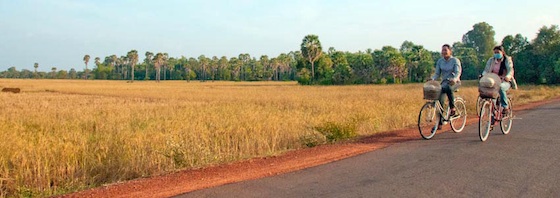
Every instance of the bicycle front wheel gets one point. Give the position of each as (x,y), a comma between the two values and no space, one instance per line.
(507,120)
(485,120)
(459,120)
(479,102)
(428,121)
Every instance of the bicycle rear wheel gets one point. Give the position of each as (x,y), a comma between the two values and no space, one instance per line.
(507,120)
(459,120)
(485,120)
(428,120)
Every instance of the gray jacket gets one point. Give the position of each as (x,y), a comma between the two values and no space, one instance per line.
(509,68)
(448,69)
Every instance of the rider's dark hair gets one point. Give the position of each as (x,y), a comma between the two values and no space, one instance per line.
(501,48)
(446,45)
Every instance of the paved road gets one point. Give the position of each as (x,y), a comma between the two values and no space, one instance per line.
(525,163)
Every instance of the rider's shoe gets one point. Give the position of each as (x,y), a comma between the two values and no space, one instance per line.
(505,111)
(439,127)
(452,111)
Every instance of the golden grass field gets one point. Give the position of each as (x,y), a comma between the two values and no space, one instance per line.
(59,136)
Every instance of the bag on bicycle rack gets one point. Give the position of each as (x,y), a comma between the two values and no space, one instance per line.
(432,90)
(489,86)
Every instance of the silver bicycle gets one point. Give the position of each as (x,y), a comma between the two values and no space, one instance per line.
(433,112)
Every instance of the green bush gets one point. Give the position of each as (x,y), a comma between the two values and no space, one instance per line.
(382,81)
(313,139)
(304,77)
(334,132)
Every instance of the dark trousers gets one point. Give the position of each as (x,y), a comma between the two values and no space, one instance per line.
(447,89)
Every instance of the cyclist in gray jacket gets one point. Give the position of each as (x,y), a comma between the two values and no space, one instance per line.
(449,68)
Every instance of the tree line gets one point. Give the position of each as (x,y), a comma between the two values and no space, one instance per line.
(536,61)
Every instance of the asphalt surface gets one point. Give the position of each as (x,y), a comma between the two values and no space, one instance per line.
(524,163)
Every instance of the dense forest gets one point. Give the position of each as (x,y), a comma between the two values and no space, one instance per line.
(536,61)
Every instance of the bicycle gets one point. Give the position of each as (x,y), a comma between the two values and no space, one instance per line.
(432,113)
(491,111)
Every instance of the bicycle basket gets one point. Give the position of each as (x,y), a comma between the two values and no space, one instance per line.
(432,90)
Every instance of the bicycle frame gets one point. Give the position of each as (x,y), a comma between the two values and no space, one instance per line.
(496,108)
(440,110)
(433,113)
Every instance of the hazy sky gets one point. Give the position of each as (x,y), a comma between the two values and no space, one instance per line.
(58,33)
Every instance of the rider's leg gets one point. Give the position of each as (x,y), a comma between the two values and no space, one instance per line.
(504,87)
(447,90)
(442,101)
(450,90)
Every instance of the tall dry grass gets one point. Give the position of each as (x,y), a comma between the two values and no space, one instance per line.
(59,136)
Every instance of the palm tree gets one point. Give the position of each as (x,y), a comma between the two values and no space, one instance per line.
(311,50)
(235,65)
(165,61)
(192,65)
(133,58)
(222,67)
(86,60)
(203,64)
(293,56)
(244,58)
(275,65)
(148,61)
(113,60)
(284,63)
(53,72)
(158,61)
(124,66)
(214,67)
(97,61)
(265,62)
(171,66)
(36,65)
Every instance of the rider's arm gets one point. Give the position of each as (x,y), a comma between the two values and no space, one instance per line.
(509,67)
(457,71)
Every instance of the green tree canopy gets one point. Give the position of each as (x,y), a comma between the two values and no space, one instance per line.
(481,39)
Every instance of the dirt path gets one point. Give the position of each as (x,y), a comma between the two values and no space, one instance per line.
(190,180)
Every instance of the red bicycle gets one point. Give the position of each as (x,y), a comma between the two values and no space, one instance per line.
(491,112)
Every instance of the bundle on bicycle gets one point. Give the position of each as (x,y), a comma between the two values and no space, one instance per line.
(434,114)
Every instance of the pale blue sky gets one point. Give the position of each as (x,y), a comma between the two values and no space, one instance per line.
(58,33)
